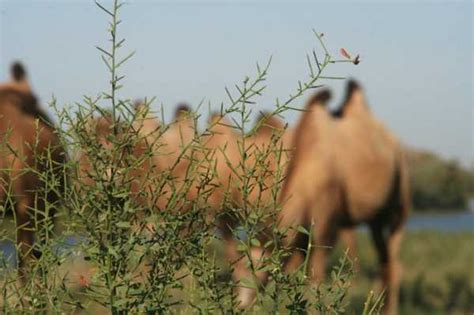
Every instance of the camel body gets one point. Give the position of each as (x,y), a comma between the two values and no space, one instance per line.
(345,172)
(29,149)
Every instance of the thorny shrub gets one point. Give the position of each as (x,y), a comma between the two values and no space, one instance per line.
(131,238)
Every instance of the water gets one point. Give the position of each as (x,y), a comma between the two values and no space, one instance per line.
(8,257)
(446,222)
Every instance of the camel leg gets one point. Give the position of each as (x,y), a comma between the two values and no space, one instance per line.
(25,234)
(245,295)
(387,247)
(299,248)
(294,262)
(324,239)
(293,215)
(348,237)
(349,240)
(230,245)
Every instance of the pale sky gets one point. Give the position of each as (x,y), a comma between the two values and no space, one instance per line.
(417,57)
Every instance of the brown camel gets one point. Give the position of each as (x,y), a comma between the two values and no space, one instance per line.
(180,156)
(174,154)
(345,172)
(267,151)
(248,184)
(27,139)
(160,153)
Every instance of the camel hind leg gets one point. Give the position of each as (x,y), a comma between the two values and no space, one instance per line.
(323,240)
(25,234)
(387,241)
(387,244)
(327,240)
(325,226)
(297,258)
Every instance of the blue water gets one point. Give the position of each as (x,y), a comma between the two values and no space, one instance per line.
(452,222)
(8,250)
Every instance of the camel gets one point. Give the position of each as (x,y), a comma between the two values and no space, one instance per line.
(160,151)
(248,184)
(346,172)
(181,156)
(27,139)
(174,156)
(135,165)
(267,151)
(214,171)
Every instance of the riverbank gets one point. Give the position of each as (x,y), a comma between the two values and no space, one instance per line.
(438,277)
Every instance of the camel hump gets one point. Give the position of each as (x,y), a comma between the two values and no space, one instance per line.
(352,86)
(140,108)
(182,110)
(320,98)
(354,97)
(267,119)
(138,104)
(353,92)
(215,117)
(18,72)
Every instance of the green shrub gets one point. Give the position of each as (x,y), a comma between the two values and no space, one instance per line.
(132,255)
(439,184)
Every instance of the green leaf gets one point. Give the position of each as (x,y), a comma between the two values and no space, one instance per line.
(123,225)
(247,283)
(241,247)
(255,242)
(301,229)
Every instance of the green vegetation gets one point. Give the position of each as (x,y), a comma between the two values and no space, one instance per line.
(137,254)
(145,228)
(438,184)
(437,278)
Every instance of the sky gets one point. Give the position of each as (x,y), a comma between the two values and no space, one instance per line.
(416,69)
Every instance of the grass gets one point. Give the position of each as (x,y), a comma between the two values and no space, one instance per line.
(438,277)
(438,273)
(123,269)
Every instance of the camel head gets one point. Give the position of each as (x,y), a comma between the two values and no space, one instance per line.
(18,92)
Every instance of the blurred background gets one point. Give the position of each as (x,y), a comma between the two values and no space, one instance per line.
(417,68)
